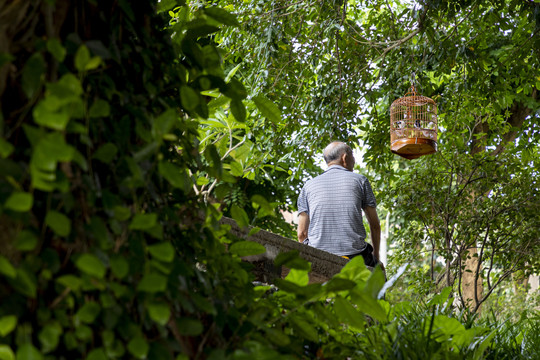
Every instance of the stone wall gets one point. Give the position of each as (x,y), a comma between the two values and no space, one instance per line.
(323,264)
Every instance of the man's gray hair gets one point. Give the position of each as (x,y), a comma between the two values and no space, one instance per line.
(335,150)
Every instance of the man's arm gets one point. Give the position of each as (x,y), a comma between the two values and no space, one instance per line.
(374,228)
(303,226)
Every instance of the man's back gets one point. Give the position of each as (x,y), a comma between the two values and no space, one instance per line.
(334,201)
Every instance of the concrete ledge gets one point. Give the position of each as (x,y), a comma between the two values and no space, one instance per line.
(324,265)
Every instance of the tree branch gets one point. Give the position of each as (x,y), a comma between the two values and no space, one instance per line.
(519,113)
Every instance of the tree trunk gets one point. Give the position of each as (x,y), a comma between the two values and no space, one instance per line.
(472,281)
(472,286)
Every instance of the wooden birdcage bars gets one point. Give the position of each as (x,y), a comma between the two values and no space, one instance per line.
(413,125)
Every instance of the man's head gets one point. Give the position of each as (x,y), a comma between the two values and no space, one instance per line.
(339,153)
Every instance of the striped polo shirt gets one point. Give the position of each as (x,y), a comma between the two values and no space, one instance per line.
(334,201)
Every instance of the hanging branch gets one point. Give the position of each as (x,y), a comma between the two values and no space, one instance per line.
(459,23)
(338,56)
(214,183)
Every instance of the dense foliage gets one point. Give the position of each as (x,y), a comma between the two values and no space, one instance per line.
(335,67)
(126,132)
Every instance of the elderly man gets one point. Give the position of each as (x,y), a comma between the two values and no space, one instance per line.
(330,209)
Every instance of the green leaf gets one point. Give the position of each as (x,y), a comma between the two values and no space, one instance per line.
(84,333)
(254,231)
(441,298)
(189,98)
(106,153)
(49,336)
(70,340)
(369,304)
(159,312)
(292,260)
(211,154)
(246,248)
(175,175)
(138,347)
(6,148)
(54,46)
(260,202)
(236,168)
(165,5)
(240,216)
(298,277)
(355,270)
(156,231)
(287,286)
(107,337)
(152,283)
(199,28)
(97,229)
(222,16)
(88,312)
(6,353)
(375,283)
(26,241)
(444,327)
(232,72)
(338,284)
(93,63)
(284,257)
(56,148)
(268,109)
(235,90)
(25,283)
(27,351)
(121,213)
(305,329)
(19,201)
(202,181)
(70,281)
(91,265)
(7,324)
(347,314)
(66,89)
(100,108)
(143,221)
(238,110)
(58,222)
(97,354)
(163,251)
(107,301)
(163,124)
(32,74)
(480,351)
(6,268)
(82,57)
(189,326)
(277,336)
(119,267)
(50,150)
(56,120)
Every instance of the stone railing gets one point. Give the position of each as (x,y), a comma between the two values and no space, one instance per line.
(323,264)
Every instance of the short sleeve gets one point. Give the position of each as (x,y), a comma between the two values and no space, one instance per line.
(369,197)
(302,202)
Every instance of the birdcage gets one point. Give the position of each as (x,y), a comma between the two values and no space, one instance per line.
(413,125)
